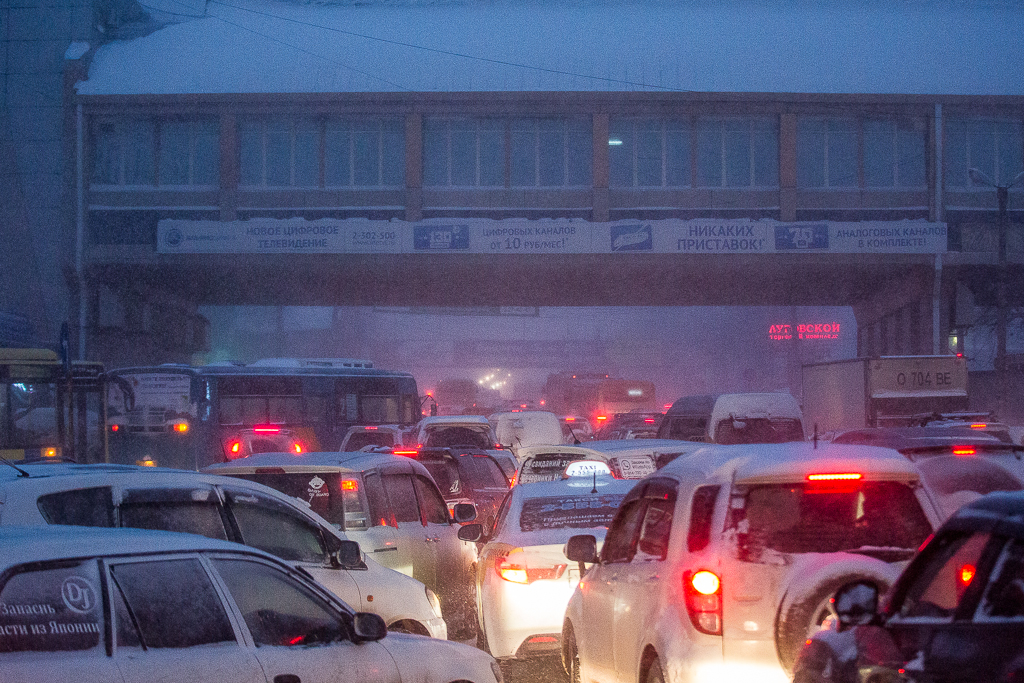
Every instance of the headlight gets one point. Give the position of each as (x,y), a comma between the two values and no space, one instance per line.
(496,668)
(435,604)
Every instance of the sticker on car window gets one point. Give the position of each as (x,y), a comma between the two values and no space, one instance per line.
(636,468)
(316,489)
(568,512)
(78,595)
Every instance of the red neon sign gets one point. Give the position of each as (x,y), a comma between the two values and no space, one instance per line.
(782,332)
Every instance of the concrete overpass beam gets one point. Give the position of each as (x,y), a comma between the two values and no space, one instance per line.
(787,167)
(414,167)
(600,209)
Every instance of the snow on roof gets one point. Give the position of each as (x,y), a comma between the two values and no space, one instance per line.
(931,47)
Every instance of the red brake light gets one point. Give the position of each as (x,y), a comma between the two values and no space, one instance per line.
(835,476)
(349,485)
(411,453)
(649,420)
(979,425)
(297,447)
(370,427)
(266,429)
(964,450)
(114,428)
(570,419)
(703,590)
(181,427)
(602,417)
(967,573)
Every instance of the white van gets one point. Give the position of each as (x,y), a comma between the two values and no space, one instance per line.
(773,417)
(516,430)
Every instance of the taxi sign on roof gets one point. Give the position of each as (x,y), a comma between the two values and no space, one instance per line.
(586,468)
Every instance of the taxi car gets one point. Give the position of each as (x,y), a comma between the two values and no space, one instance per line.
(955,614)
(523,579)
(80,603)
(222,508)
(391,506)
(718,566)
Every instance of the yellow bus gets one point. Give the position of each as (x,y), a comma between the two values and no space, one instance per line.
(51,408)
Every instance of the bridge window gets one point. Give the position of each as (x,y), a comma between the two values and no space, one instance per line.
(287,151)
(123,152)
(826,152)
(364,152)
(994,147)
(496,152)
(738,152)
(894,152)
(154,151)
(650,152)
(832,151)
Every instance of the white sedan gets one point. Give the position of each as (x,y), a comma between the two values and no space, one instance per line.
(523,578)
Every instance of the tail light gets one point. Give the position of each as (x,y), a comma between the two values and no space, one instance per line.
(964,450)
(519,572)
(408,452)
(115,427)
(234,449)
(349,484)
(512,480)
(966,575)
(297,447)
(180,427)
(979,425)
(703,591)
(835,476)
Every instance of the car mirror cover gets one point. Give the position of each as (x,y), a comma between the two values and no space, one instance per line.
(855,603)
(464,512)
(368,626)
(349,555)
(582,548)
(471,532)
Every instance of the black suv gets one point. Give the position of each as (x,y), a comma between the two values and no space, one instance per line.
(955,614)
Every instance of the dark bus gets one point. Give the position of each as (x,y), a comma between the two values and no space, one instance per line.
(192,416)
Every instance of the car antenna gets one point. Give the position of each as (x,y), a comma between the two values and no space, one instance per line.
(575,439)
(815,436)
(594,490)
(21,472)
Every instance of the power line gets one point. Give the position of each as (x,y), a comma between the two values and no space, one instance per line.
(308,52)
(451,53)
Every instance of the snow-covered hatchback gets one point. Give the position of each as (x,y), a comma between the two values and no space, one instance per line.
(131,605)
(718,566)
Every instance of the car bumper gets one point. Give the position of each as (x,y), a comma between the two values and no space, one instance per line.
(515,613)
(437,628)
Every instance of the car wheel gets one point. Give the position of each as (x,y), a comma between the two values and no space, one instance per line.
(654,672)
(571,663)
(801,615)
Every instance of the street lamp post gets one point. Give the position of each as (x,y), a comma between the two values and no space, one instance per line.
(1002,196)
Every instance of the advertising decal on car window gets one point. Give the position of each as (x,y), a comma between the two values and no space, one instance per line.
(569,512)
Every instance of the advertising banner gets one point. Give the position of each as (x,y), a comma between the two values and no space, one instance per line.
(547,236)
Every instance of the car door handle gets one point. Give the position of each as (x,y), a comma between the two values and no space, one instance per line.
(654,577)
(287,678)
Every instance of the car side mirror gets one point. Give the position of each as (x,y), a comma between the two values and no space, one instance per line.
(348,555)
(368,626)
(582,549)
(471,532)
(855,604)
(464,512)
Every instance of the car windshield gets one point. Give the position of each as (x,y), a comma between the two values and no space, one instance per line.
(316,489)
(827,518)
(569,512)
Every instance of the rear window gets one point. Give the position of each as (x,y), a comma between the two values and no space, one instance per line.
(470,437)
(463,474)
(358,440)
(826,518)
(319,489)
(569,512)
(758,430)
(546,467)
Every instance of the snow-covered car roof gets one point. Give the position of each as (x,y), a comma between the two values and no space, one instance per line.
(460,420)
(42,543)
(311,462)
(792,462)
(49,477)
(275,46)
